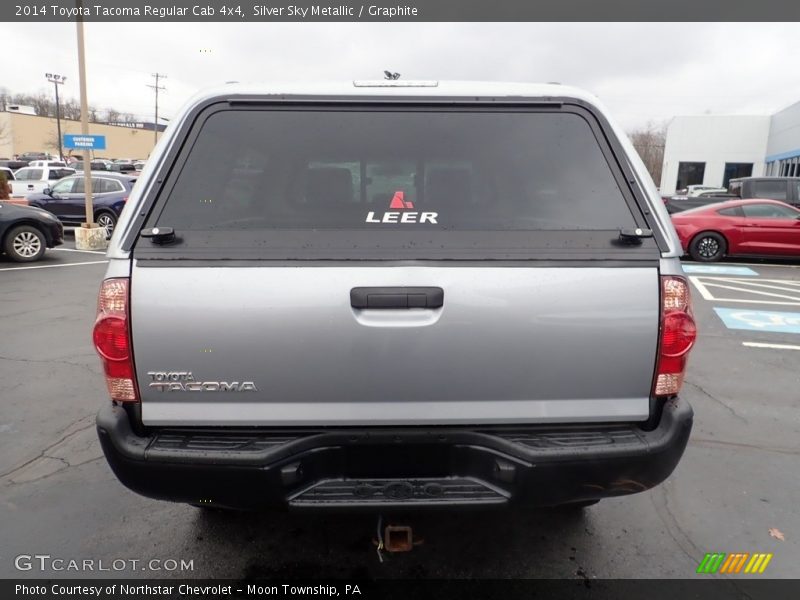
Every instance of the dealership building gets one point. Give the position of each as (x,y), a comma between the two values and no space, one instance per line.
(712,149)
(21,132)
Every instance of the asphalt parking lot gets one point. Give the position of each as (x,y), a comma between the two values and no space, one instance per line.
(737,481)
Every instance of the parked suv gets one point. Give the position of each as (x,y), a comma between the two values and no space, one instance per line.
(785,189)
(67,198)
(390,296)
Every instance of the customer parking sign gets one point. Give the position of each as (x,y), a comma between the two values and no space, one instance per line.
(85,142)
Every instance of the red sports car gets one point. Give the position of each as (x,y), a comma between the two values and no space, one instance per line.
(739,227)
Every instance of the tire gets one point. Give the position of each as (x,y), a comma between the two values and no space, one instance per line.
(708,246)
(107,221)
(24,244)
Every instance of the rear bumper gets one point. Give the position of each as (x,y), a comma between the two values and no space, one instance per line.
(397,468)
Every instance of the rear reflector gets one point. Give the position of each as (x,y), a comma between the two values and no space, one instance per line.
(678,334)
(112,337)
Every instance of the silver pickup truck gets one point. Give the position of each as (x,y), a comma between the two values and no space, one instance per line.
(386,295)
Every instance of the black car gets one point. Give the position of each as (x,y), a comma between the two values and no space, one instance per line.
(27,157)
(13,164)
(680,202)
(94,165)
(26,231)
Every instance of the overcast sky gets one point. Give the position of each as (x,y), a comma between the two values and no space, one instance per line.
(642,71)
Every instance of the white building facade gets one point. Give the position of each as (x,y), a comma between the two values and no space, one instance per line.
(783,149)
(712,149)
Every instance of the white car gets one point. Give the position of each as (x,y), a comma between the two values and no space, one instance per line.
(33,180)
(47,163)
(696,190)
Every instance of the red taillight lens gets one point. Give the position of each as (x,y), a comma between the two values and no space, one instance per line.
(678,334)
(112,338)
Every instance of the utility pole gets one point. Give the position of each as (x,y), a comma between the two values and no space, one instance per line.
(57,80)
(87,172)
(156,87)
(88,236)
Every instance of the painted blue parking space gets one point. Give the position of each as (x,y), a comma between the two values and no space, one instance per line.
(719,270)
(760,320)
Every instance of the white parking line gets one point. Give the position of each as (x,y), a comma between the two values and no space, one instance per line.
(701,288)
(93,262)
(74,250)
(752,287)
(743,264)
(734,288)
(775,346)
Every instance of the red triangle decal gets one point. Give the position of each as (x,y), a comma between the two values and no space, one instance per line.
(397,200)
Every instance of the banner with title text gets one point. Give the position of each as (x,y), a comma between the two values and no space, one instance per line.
(402,10)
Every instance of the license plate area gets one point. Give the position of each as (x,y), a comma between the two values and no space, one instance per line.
(397,461)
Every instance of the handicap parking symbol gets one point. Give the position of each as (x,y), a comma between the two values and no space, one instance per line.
(760,320)
(718,270)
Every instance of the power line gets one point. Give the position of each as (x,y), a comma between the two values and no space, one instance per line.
(156,87)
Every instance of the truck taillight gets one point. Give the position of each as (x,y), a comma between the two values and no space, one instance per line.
(112,340)
(678,334)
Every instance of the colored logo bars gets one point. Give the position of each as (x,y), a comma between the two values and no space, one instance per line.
(742,562)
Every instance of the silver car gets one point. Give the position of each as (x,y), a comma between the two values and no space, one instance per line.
(394,295)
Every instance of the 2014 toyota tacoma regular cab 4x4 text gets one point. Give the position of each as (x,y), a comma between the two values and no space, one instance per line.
(394,295)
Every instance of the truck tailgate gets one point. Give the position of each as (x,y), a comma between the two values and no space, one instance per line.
(284,346)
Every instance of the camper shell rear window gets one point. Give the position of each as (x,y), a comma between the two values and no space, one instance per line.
(335,181)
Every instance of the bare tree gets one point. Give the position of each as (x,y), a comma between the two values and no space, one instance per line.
(649,142)
(45,106)
(4,102)
(51,143)
(3,133)
(42,103)
(71,109)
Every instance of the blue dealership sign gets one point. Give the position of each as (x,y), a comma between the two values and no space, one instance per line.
(85,142)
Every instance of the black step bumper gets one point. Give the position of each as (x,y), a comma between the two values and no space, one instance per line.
(382,468)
